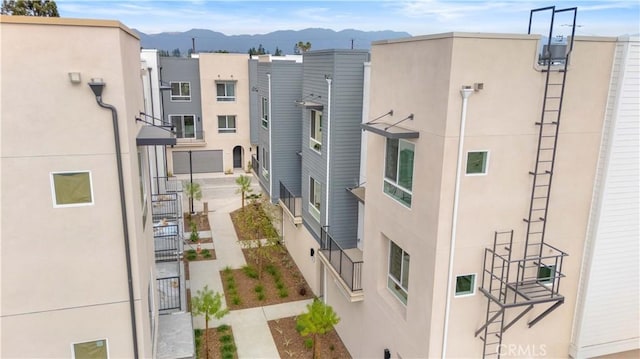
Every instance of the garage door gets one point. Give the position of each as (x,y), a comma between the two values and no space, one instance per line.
(202,161)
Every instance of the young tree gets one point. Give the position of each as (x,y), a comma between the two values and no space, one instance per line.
(317,321)
(278,52)
(302,47)
(244,187)
(45,8)
(207,304)
(193,192)
(176,52)
(163,53)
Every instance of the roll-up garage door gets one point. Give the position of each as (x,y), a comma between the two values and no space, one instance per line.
(202,161)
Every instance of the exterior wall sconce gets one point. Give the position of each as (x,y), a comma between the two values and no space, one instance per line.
(75,78)
(387,354)
(312,252)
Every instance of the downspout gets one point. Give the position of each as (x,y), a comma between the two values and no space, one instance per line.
(465,92)
(97,86)
(270,124)
(153,116)
(326,202)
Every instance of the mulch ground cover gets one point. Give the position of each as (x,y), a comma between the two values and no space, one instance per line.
(292,345)
(218,337)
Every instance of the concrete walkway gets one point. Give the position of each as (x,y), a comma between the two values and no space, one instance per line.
(250,329)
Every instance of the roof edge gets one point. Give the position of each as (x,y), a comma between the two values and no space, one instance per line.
(39,20)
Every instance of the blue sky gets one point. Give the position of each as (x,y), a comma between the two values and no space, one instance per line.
(415,17)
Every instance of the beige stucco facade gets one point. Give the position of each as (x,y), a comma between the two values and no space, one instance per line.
(423,76)
(64,276)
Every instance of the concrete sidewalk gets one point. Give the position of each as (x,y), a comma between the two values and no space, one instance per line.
(250,329)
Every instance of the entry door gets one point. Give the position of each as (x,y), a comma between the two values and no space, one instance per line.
(237,157)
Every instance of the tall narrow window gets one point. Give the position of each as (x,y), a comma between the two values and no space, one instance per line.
(180,91)
(185,125)
(71,189)
(265,163)
(398,172)
(227,124)
(226,91)
(265,112)
(315,135)
(398,277)
(315,195)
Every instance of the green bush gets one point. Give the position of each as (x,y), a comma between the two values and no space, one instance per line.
(206,253)
(259,288)
(227,270)
(231,285)
(228,348)
(228,355)
(308,343)
(236,300)
(191,254)
(261,296)
(250,271)
(222,328)
(283,293)
(280,285)
(271,269)
(226,338)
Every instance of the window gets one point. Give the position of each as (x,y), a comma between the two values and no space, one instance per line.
(96,349)
(546,274)
(398,277)
(315,195)
(398,170)
(226,91)
(185,125)
(315,135)
(180,91)
(265,163)
(477,162)
(227,124)
(70,189)
(465,285)
(265,112)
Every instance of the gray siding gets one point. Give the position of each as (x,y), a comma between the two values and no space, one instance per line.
(346,68)
(263,134)
(254,109)
(182,69)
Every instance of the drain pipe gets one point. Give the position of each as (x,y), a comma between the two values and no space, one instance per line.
(97,86)
(465,92)
(270,124)
(326,202)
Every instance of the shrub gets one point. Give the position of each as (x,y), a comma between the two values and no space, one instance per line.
(228,355)
(226,338)
(227,270)
(308,343)
(236,300)
(259,288)
(206,253)
(280,285)
(261,296)
(250,271)
(222,328)
(271,269)
(191,255)
(283,293)
(228,348)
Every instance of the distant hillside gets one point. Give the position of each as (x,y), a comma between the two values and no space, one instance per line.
(207,40)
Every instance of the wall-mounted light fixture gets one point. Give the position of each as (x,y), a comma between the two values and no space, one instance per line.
(75,77)
(387,354)
(312,252)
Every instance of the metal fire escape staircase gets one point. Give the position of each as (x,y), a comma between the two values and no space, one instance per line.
(535,278)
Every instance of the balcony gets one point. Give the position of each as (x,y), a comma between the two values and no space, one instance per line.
(167,226)
(255,165)
(291,204)
(344,264)
(189,138)
(168,184)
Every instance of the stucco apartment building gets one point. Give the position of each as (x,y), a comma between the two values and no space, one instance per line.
(78,267)
(462,247)
(208,103)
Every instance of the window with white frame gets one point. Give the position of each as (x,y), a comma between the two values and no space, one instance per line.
(465,285)
(96,349)
(398,170)
(265,112)
(185,125)
(315,195)
(477,162)
(180,91)
(265,163)
(398,277)
(315,133)
(227,124)
(69,189)
(226,91)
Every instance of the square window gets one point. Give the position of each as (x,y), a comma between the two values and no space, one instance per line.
(185,125)
(227,124)
(477,162)
(96,349)
(180,91)
(465,285)
(71,189)
(226,91)
(315,135)
(265,112)
(398,170)
(315,198)
(398,276)
(546,274)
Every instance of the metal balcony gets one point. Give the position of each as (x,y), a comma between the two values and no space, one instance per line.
(290,203)
(344,264)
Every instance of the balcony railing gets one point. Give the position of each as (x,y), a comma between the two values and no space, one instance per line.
(167,226)
(169,293)
(165,206)
(255,164)
(189,137)
(349,270)
(168,184)
(293,203)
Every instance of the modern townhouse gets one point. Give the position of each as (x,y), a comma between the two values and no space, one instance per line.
(320,224)
(76,195)
(480,166)
(277,127)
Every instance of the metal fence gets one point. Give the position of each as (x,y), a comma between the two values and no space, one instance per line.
(293,202)
(168,184)
(350,271)
(255,164)
(169,293)
(165,206)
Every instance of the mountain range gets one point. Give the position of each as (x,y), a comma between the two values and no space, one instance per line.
(285,40)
